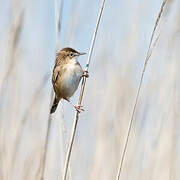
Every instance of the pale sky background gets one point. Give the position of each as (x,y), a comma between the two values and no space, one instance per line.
(118,57)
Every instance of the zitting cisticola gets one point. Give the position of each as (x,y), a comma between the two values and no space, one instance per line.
(66,76)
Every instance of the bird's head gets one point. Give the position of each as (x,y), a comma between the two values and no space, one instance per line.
(69,53)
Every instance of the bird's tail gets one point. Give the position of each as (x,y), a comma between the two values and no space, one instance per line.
(54,106)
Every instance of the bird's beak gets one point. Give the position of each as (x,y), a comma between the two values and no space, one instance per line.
(81,53)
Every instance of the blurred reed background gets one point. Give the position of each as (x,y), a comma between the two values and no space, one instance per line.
(30,34)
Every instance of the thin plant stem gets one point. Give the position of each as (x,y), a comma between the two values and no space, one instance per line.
(71,141)
(148,55)
(44,154)
(45,148)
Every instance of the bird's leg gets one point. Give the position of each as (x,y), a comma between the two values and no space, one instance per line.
(85,74)
(77,107)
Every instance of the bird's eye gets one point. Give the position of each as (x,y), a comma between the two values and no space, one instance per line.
(71,54)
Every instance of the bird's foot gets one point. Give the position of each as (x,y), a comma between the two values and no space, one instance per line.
(78,108)
(85,74)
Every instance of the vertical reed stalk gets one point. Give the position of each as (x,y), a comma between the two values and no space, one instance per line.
(148,55)
(58,17)
(71,141)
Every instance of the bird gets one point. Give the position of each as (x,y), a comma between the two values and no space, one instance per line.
(67,74)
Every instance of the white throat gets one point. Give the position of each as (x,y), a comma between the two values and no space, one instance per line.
(74,60)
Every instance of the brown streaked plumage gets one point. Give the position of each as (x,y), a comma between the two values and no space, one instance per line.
(66,76)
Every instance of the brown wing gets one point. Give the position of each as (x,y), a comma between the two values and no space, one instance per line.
(57,68)
(55,76)
(57,73)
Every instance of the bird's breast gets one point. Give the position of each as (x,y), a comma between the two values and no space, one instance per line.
(71,79)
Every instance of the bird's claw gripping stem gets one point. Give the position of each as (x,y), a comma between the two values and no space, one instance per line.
(85,74)
(78,108)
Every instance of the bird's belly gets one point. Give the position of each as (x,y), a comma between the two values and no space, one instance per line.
(70,82)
